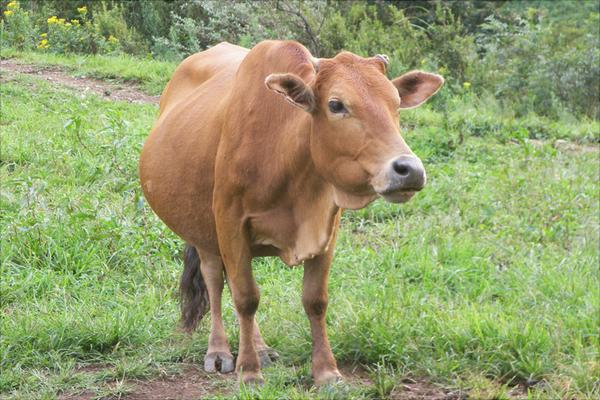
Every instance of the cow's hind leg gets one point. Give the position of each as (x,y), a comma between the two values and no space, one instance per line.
(266,354)
(201,281)
(218,356)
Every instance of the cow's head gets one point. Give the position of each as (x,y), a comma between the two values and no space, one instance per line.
(355,139)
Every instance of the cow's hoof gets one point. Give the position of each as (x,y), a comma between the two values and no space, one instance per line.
(252,379)
(328,378)
(267,356)
(219,361)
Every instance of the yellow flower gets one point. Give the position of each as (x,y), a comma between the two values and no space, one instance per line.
(43,44)
(467,85)
(52,20)
(68,24)
(442,70)
(75,22)
(61,21)
(44,35)
(7,12)
(82,10)
(12,4)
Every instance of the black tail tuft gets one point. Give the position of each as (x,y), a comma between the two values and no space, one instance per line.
(192,291)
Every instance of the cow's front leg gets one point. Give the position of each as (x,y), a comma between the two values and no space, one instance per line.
(314,299)
(245,298)
(266,354)
(237,260)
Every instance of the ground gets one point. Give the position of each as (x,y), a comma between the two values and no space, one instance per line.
(192,383)
(484,286)
(53,74)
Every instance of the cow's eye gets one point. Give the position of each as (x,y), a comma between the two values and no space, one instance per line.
(337,107)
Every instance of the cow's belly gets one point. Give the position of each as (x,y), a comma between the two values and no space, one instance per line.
(177,171)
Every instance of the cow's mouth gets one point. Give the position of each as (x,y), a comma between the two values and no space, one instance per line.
(399,179)
(398,196)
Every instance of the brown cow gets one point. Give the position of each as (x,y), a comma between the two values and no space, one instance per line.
(238,173)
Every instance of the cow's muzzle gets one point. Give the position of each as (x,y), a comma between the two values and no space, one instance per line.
(402,178)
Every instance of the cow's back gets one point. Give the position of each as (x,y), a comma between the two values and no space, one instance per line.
(177,161)
(222,59)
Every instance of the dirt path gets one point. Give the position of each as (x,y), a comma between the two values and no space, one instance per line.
(58,75)
(192,383)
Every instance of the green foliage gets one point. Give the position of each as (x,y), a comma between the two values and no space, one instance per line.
(105,33)
(556,65)
(77,35)
(362,32)
(111,24)
(203,24)
(16,28)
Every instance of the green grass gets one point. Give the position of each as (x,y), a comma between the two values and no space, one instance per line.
(487,278)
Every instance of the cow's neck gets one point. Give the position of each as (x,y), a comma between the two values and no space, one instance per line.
(297,213)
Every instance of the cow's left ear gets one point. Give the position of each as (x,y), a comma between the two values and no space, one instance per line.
(293,89)
(415,87)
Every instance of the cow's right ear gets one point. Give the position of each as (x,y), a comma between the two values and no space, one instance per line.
(293,89)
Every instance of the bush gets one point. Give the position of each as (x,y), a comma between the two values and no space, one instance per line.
(540,67)
(77,35)
(362,31)
(16,28)
(203,24)
(111,24)
(106,33)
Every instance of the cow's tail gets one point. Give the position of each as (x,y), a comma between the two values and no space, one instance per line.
(192,291)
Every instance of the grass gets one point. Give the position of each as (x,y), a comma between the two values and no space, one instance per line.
(488,278)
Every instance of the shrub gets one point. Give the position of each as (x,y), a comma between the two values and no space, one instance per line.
(111,24)
(77,35)
(107,33)
(360,29)
(541,67)
(200,25)
(16,27)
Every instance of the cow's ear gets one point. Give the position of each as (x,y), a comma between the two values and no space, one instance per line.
(415,87)
(293,89)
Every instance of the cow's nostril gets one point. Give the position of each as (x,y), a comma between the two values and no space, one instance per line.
(401,168)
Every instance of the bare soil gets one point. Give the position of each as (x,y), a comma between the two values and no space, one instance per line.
(422,390)
(193,384)
(110,91)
